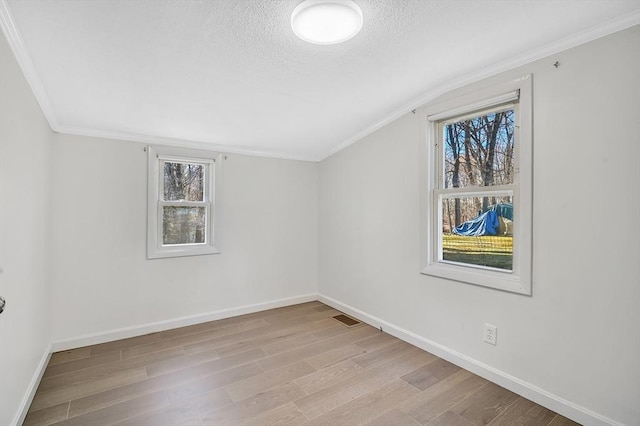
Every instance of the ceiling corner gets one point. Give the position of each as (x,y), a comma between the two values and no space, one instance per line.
(14,39)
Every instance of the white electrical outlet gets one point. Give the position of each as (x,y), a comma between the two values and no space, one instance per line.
(490,334)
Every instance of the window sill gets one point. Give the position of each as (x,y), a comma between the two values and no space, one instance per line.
(180,252)
(506,281)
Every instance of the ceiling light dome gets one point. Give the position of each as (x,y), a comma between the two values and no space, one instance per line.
(326,21)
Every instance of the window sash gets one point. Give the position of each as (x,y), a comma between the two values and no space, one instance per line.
(207,212)
(440,142)
(440,194)
(208,167)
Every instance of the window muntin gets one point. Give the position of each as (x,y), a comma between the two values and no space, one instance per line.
(501,188)
(181,202)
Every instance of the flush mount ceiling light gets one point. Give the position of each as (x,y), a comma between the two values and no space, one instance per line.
(326,21)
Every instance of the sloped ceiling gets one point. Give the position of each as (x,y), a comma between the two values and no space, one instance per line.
(231,75)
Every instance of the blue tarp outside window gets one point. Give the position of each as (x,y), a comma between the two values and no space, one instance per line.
(487,223)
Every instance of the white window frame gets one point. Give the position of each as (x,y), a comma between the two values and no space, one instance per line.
(519,279)
(157,155)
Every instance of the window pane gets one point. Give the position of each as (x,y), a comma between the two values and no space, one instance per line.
(478,231)
(183,181)
(183,225)
(479,151)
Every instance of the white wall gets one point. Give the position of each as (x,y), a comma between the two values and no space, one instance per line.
(24,236)
(577,337)
(102,280)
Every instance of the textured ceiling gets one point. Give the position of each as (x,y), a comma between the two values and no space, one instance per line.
(231,74)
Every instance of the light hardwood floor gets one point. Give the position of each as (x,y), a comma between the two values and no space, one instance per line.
(288,366)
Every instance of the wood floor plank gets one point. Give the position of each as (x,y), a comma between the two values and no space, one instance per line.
(271,330)
(430,374)
(378,341)
(182,341)
(102,370)
(442,396)
(125,343)
(382,355)
(337,331)
(368,406)
(285,415)
(329,376)
(206,368)
(206,384)
(67,393)
(246,409)
(185,412)
(294,316)
(559,420)
(281,339)
(289,343)
(47,416)
(450,418)
(335,395)
(301,337)
(79,364)
(279,360)
(322,307)
(267,380)
(119,411)
(394,417)
(107,398)
(484,405)
(514,414)
(172,416)
(176,385)
(214,328)
(335,356)
(312,316)
(70,355)
(183,361)
(291,308)
(538,415)
(113,396)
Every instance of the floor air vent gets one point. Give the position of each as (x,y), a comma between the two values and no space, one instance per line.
(348,321)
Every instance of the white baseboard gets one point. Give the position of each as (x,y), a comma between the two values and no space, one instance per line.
(139,330)
(553,402)
(23,409)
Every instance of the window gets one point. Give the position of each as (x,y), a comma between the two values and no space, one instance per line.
(181,202)
(479,188)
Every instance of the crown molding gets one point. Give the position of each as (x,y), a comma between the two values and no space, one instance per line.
(612,26)
(184,143)
(11,32)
